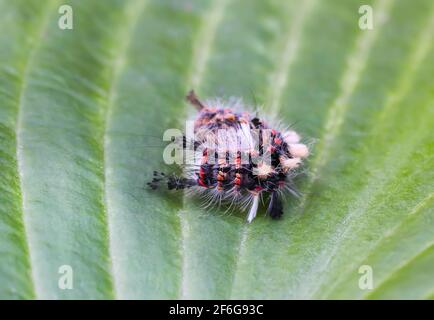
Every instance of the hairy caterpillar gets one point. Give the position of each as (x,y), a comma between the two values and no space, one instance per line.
(237,158)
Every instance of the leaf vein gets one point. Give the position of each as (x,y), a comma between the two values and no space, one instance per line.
(356,63)
(201,52)
(280,75)
(19,127)
(125,35)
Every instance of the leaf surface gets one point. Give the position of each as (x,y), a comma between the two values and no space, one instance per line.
(82,115)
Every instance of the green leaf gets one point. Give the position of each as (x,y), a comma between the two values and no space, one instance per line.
(82,113)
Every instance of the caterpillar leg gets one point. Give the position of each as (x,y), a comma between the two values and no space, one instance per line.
(158,177)
(173,181)
(178,183)
(275,207)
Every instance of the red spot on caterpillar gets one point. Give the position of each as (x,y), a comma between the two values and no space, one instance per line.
(277,140)
(204,156)
(200,182)
(202,173)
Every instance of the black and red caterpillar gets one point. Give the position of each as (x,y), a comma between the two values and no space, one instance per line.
(237,157)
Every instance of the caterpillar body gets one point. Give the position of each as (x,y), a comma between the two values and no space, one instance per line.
(237,158)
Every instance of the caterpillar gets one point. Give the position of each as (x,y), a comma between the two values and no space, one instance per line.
(237,158)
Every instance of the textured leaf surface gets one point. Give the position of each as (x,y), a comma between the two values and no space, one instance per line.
(82,113)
